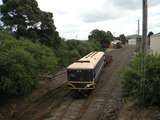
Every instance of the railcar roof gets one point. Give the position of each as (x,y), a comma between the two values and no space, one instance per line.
(87,62)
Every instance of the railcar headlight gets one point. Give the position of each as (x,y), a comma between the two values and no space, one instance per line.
(89,85)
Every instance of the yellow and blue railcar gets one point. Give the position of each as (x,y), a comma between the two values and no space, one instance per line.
(83,74)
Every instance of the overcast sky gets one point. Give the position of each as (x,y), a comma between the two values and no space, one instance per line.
(76,18)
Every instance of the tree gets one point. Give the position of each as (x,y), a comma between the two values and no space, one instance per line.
(109,36)
(149,38)
(150,33)
(24,18)
(21,64)
(103,37)
(123,38)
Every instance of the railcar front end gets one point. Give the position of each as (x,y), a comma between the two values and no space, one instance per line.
(81,79)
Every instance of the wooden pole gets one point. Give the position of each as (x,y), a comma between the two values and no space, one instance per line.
(144,32)
(138,43)
(138,28)
(144,48)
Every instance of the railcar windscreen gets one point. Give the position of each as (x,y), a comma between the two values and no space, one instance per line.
(80,75)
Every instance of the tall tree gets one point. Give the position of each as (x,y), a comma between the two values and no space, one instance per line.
(103,37)
(123,38)
(109,36)
(24,18)
(150,34)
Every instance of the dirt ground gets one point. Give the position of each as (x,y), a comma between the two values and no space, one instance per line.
(54,101)
(130,111)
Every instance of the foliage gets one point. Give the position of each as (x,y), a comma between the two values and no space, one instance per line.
(71,50)
(87,46)
(144,91)
(24,18)
(109,36)
(21,63)
(103,37)
(123,38)
(24,54)
(150,34)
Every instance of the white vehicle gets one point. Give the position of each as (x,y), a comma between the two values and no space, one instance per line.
(116,44)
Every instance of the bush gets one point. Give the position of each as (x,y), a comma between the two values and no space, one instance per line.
(84,47)
(65,54)
(21,63)
(144,91)
(71,50)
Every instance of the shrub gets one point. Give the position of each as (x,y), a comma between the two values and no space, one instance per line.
(21,63)
(71,50)
(146,91)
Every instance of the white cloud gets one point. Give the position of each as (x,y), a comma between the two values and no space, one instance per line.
(78,17)
(102,14)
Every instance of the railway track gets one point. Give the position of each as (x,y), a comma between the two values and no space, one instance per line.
(57,75)
(93,106)
(107,99)
(59,103)
(36,110)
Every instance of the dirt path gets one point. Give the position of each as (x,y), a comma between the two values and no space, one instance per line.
(107,98)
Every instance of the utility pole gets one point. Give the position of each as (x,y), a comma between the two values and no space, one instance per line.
(144,47)
(144,32)
(138,42)
(138,28)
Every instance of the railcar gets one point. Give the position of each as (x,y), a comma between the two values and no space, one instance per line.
(83,74)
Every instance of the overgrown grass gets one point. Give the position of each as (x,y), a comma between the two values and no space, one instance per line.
(144,90)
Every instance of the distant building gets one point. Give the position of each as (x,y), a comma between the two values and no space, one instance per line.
(155,43)
(135,40)
(132,39)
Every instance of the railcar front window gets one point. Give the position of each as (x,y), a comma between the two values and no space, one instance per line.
(80,75)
